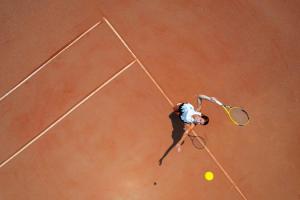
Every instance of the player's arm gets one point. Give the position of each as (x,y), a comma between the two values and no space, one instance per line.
(211,99)
(188,128)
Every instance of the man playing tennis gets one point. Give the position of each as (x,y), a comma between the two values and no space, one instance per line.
(191,117)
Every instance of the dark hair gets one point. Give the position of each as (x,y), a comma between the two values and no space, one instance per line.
(206,119)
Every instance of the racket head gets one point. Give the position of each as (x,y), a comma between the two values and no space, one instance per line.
(198,141)
(238,115)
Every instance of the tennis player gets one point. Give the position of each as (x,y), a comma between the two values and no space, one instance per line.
(191,117)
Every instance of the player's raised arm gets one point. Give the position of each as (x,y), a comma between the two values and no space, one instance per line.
(211,99)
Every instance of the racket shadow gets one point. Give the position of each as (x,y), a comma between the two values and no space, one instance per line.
(178,130)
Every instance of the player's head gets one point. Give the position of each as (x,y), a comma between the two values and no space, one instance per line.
(201,119)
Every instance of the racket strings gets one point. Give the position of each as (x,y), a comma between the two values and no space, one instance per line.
(198,141)
(239,115)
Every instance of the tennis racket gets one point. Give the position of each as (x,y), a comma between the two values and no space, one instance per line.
(197,141)
(237,115)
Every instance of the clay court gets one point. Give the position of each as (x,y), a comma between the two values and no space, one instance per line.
(87,90)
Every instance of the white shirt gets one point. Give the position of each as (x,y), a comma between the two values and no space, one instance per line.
(187,112)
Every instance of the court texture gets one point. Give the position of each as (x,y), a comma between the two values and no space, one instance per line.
(87,90)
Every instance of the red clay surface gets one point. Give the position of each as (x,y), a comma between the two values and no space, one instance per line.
(32,32)
(59,86)
(245,53)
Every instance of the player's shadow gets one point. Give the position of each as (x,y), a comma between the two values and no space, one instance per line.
(178,130)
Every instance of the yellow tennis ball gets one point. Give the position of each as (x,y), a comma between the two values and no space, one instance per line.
(209,176)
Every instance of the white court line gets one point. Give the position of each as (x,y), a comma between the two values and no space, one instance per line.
(220,166)
(48,61)
(125,44)
(172,104)
(65,115)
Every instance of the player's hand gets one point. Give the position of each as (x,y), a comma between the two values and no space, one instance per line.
(179,149)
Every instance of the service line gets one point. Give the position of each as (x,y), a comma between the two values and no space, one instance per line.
(48,61)
(65,115)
